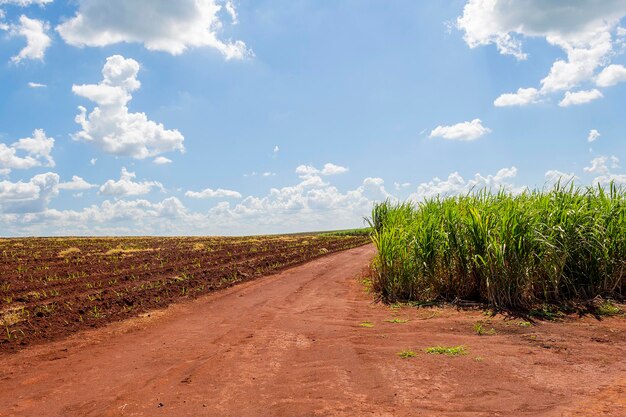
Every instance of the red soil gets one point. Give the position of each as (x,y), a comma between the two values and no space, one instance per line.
(50,288)
(292,344)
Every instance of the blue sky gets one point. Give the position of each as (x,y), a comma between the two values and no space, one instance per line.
(269,116)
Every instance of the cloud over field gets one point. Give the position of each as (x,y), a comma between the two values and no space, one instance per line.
(160,25)
(584,32)
(37,39)
(27,153)
(127,186)
(111,126)
(466,131)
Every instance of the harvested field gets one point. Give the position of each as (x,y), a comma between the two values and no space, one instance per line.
(53,287)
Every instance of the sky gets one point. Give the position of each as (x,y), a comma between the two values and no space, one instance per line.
(241,117)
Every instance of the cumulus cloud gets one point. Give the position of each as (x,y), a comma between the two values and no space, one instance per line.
(117,217)
(35,151)
(77,184)
(583,32)
(37,40)
(602,165)
(523,97)
(28,197)
(210,193)
(307,171)
(110,126)
(593,135)
(611,75)
(126,186)
(161,160)
(554,177)
(466,131)
(579,97)
(455,184)
(160,25)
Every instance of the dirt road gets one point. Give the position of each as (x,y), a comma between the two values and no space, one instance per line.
(308,342)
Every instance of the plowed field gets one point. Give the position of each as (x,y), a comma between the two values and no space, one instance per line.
(53,287)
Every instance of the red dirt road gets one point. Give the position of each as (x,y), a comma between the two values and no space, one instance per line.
(292,344)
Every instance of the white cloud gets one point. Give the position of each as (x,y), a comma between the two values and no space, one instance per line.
(126,186)
(466,131)
(276,149)
(232,12)
(307,171)
(583,31)
(110,126)
(602,166)
(161,160)
(579,97)
(268,174)
(455,184)
(37,40)
(554,177)
(611,75)
(523,97)
(209,193)
(24,3)
(593,135)
(77,184)
(37,150)
(304,206)
(36,85)
(332,169)
(161,25)
(399,186)
(93,161)
(110,218)
(604,180)
(28,197)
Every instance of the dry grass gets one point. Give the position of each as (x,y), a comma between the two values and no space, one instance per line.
(69,251)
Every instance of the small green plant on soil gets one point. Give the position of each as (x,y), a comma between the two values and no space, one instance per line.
(546,312)
(607,308)
(397,320)
(367,324)
(481,330)
(406,354)
(524,323)
(447,350)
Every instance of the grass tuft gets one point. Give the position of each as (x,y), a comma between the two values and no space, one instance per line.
(406,354)
(608,309)
(447,350)
(397,320)
(481,330)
